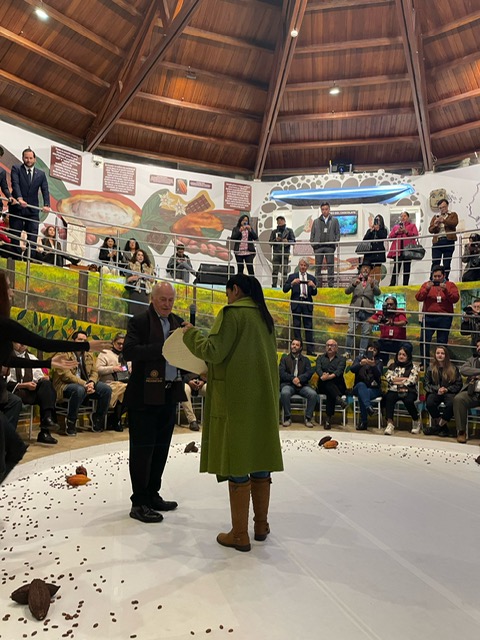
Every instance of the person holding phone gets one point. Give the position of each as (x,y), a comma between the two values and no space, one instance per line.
(404,234)
(443,226)
(439,296)
(244,247)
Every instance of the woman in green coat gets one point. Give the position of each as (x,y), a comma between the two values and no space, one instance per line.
(240,439)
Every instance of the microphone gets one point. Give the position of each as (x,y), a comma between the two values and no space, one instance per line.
(193,312)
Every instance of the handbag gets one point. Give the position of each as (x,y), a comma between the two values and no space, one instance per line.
(364,247)
(414,252)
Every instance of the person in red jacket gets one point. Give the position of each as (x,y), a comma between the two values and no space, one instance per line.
(438,296)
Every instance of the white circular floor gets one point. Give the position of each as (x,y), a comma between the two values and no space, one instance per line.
(377,539)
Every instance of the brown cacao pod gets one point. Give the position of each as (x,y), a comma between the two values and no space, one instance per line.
(38,599)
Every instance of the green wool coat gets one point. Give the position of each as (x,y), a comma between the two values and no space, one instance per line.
(240,427)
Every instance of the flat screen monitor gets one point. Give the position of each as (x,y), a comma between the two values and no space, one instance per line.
(348,221)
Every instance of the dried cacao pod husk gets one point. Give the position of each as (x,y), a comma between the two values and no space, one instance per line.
(324,440)
(39,599)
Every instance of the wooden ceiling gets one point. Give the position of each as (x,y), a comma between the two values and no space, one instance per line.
(222,86)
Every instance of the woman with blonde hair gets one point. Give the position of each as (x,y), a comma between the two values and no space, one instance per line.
(442,382)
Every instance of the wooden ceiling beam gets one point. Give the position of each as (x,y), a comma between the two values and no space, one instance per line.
(413,48)
(182,69)
(185,135)
(467,19)
(327,5)
(164,11)
(455,131)
(214,111)
(127,6)
(77,27)
(358,142)
(367,81)
(294,10)
(52,57)
(345,115)
(348,45)
(461,97)
(454,65)
(162,157)
(54,97)
(134,81)
(219,38)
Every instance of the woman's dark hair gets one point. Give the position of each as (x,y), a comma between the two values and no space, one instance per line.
(75,334)
(4,299)
(46,230)
(239,221)
(104,245)
(408,348)
(381,221)
(146,259)
(251,287)
(127,245)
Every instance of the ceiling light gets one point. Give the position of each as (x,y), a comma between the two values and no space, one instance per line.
(294,33)
(334,91)
(41,13)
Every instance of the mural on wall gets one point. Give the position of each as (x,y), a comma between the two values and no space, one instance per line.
(202,210)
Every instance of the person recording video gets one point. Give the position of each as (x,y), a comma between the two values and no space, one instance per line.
(443,226)
(392,323)
(403,234)
(470,325)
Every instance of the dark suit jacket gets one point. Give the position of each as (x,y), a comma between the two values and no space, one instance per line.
(3,184)
(139,350)
(295,303)
(21,189)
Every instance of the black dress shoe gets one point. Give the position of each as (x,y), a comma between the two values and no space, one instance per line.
(48,423)
(159,504)
(44,437)
(370,411)
(362,426)
(145,514)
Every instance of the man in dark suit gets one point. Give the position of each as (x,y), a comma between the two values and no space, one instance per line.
(152,393)
(26,182)
(303,286)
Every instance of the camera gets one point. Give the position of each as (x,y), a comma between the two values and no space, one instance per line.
(468,311)
(370,354)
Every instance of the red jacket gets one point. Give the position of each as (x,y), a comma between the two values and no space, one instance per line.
(438,299)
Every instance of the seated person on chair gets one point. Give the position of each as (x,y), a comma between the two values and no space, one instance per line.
(114,370)
(77,385)
(368,376)
(179,266)
(331,383)
(32,386)
(469,396)
(442,382)
(195,385)
(295,374)
(402,381)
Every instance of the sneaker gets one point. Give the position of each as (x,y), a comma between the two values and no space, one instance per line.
(341,400)
(308,422)
(193,426)
(416,427)
(462,437)
(98,423)
(389,429)
(287,422)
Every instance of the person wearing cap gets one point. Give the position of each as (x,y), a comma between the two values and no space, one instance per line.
(179,266)
(363,288)
(280,239)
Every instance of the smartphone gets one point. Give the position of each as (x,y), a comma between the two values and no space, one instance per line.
(124,367)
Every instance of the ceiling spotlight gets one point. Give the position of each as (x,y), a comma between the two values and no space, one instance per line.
(334,91)
(294,33)
(41,13)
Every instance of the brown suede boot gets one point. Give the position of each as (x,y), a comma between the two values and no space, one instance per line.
(260,501)
(239,503)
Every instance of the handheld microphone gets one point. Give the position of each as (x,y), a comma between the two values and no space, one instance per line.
(193,313)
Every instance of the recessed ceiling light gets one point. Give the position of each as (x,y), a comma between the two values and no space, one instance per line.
(41,13)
